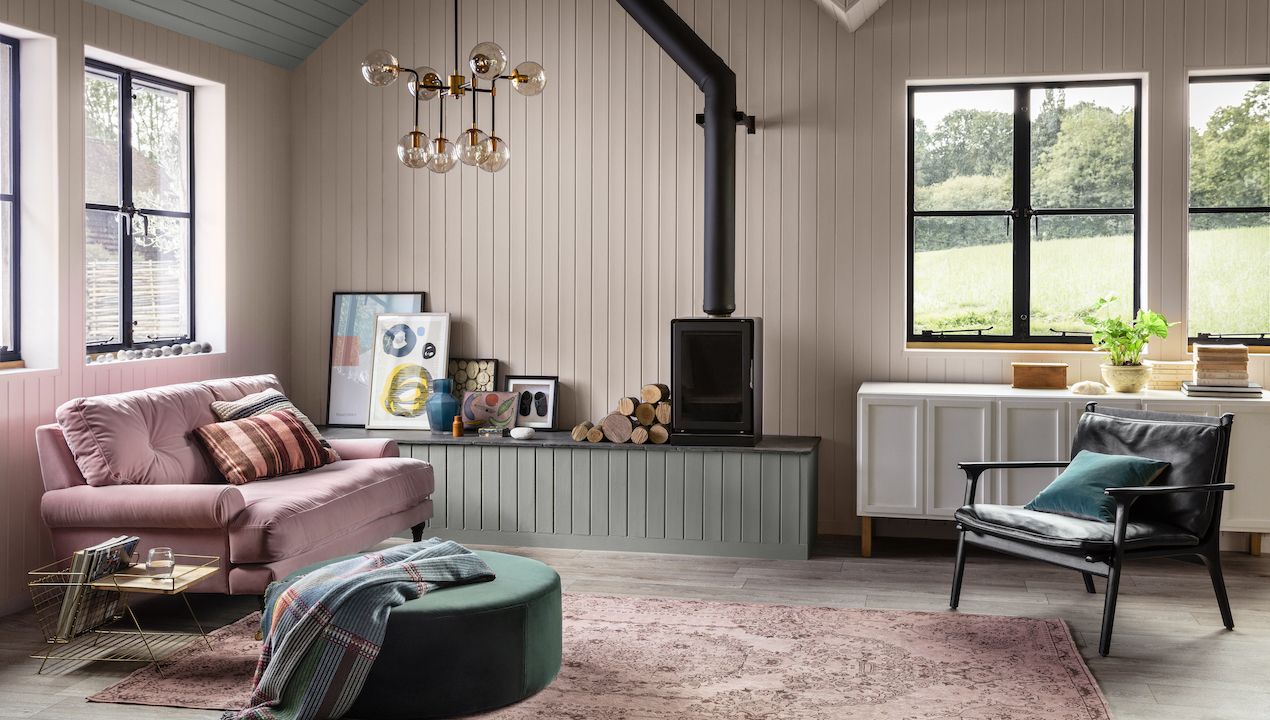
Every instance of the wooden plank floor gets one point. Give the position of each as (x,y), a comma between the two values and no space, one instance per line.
(1171,659)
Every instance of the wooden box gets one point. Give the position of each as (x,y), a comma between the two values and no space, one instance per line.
(1039,376)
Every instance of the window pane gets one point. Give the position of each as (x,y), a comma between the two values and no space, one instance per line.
(1229,265)
(103,239)
(7,311)
(1082,147)
(1077,259)
(1230,144)
(6,119)
(963,149)
(101,139)
(160,279)
(160,148)
(962,274)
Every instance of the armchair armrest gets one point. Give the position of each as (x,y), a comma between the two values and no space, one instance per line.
(1154,490)
(142,506)
(364,448)
(977,468)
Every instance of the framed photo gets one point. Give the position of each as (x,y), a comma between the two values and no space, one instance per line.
(352,350)
(411,350)
(536,401)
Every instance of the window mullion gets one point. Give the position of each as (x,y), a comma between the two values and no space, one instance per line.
(125,164)
(1021,212)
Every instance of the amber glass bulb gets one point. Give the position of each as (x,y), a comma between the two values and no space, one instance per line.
(497,154)
(472,147)
(380,68)
(443,155)
(412,150)
(529,78)
(488,60)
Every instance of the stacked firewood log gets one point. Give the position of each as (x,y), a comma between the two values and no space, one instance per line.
(636,420)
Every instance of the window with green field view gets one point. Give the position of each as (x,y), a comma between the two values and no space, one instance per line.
(1023,208)
(1228,268)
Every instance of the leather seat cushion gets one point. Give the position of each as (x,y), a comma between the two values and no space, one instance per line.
(288,515)
(1065,532)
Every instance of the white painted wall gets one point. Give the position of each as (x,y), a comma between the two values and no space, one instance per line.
(255,230)
(574,260)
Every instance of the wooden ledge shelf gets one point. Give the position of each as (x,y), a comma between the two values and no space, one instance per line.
(561,439)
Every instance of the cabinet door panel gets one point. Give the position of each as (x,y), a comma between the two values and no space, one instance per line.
(891,456)
(956,431)
(1247,507)
(1029,430)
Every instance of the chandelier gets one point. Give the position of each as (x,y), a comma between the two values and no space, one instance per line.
(488,62)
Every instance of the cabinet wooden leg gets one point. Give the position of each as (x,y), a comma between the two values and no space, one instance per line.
(1254,544)
(866,536)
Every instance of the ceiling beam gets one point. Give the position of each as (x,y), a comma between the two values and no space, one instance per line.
(853,14)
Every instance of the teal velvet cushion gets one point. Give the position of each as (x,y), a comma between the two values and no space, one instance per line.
(1078,491)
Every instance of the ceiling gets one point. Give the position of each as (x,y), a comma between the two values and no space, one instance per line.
(280,32)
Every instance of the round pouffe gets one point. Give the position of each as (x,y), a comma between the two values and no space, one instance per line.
(469,648)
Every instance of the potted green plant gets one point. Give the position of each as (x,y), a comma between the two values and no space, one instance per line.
(1124,342)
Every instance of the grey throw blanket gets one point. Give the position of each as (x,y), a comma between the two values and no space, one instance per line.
(324,630)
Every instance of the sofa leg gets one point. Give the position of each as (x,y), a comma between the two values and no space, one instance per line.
(955,599)
(1213,561)
(1089,583)
(260,602)
(1109,609)
(416,531)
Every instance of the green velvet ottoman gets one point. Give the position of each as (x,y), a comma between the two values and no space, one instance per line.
(468,649)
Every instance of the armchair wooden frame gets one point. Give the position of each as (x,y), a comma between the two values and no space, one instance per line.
(1105,564)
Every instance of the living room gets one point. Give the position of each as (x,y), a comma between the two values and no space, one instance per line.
(907,239)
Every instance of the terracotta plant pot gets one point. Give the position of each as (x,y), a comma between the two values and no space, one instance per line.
(1126,378)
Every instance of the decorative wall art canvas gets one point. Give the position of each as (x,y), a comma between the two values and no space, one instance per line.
(473,375)
(411,350)
(353,350)
(536,399)
(488,409)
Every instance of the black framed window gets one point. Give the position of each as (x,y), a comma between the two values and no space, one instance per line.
(1023,208)
(139,209)
(1228,239)
(10,270)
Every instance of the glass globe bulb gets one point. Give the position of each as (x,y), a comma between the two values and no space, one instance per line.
(497,154)
(529,78)
(472,146)
(429,76)
(487,60)
(412,150)
(380,68)
(443,155)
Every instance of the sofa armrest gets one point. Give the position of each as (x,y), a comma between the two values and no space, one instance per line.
(364,448)
(142,506)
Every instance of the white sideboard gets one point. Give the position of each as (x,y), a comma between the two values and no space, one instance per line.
(910,437)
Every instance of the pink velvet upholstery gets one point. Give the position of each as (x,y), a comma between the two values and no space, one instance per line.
(128,463)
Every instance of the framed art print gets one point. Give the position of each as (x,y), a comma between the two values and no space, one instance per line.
(352,350)
(536,399)
(411,350)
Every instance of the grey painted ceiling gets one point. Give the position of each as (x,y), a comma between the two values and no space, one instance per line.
(281,32)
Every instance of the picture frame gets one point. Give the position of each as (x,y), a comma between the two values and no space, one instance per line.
(539,401)
(473,375)
(411,350)
(351,344)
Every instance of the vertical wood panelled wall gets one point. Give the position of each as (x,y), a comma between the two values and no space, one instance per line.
(573,261)
(257,230)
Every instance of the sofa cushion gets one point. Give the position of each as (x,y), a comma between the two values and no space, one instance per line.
(1063,532)
(288,515)
(267,401)
(143,437)
(263,446)
(236,388)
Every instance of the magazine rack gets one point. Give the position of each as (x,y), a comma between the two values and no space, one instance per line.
(80,631)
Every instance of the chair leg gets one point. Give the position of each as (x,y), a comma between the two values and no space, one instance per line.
(1109,608)
(955,599)
(1213,561)
(416,531)
(1089,583)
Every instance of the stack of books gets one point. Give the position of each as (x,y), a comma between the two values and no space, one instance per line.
(1221,371)
(1169,374)
(105,558)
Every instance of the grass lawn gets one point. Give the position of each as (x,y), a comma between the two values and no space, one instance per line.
(971,287)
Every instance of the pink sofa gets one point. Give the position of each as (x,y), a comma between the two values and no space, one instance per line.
(129,463)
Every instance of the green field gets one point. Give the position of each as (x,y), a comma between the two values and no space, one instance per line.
(971,287)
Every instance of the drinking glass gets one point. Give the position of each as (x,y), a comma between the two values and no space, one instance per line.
(160,562)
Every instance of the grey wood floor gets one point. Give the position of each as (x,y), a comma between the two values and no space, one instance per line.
(1171,659)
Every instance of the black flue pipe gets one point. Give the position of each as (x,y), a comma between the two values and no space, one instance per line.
(718,82)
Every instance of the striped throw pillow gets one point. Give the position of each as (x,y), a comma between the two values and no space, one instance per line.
(262,446)
(267,401)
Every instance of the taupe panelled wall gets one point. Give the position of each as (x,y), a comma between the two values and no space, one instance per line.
(575,259)
(257,175)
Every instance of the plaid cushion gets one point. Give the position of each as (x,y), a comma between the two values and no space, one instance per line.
(267,401)
(262,446)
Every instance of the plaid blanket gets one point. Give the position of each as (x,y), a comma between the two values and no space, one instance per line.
(324,630)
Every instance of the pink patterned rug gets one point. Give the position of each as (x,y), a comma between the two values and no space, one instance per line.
(653,658)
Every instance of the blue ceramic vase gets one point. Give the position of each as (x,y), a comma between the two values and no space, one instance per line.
(441,405)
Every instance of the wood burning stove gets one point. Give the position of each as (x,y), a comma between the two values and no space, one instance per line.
(716,381)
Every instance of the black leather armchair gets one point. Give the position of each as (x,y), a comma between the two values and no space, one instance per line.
(1179,516)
